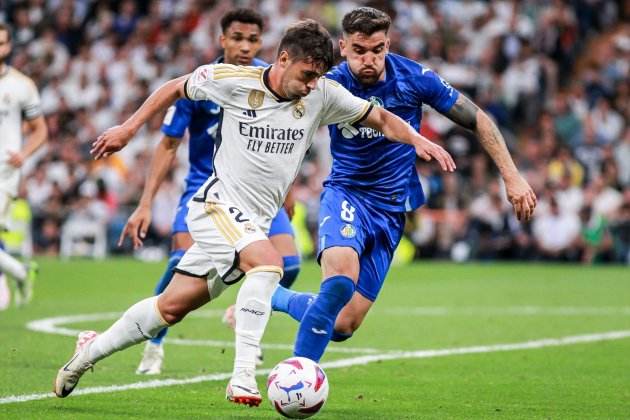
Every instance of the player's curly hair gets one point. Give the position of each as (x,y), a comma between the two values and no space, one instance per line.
(308,40)
(242,15)
(365,20)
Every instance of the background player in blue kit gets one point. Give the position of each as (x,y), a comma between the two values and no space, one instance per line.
(241,41)
(373,182)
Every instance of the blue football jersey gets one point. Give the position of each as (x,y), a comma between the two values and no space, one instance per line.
(202,120)
(364,161)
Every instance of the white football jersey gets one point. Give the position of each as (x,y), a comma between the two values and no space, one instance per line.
(19,100)
(262,139)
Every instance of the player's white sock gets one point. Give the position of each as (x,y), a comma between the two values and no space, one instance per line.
(141,322)
(12,266)
(252,310)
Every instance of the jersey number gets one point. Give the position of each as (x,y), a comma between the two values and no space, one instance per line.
(239,215)
(347,212)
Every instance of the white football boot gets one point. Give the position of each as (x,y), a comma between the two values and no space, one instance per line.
(68,376)
(152,358)
(243,389)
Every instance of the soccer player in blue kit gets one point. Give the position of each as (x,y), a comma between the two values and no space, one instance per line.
(241,41)
(373,182)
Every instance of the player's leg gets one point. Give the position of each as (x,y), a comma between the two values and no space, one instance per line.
(386,231)
(342,239)
(283,239)
(140,322)
(153,354)
(23,274)
(263,267)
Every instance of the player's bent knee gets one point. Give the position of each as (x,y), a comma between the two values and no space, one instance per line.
(340,261)
(171,310)
(339,336)
(260,254)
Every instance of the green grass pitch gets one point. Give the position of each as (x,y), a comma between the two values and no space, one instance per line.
(461,311)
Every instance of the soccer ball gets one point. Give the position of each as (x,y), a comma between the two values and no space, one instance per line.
(297,388)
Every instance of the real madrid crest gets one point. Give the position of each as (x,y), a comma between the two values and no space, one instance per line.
(256,98)
(298,110)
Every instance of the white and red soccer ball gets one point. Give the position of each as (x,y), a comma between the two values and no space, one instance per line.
(297,388)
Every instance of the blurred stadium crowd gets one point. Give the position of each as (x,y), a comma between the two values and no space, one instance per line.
(553,73)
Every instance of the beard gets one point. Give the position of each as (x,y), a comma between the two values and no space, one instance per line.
(369,78)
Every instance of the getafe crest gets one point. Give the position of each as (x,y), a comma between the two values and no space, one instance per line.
(256,98)
(376,101)
(348,231)
(298,111)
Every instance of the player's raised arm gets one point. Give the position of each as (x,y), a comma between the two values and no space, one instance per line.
(465,113)
(117,137)
(139,221)
(395,129)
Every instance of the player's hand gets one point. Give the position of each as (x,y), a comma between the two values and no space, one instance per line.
(522,197)
(136,226)
(15,159)
(111,141)
(428,150)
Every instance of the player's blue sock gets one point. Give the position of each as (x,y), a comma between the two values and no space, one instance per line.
(164,281)
(317,324)
(293,303)
(291,270)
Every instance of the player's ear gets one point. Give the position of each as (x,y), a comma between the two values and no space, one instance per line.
(283,59)
(387,45)
(342,47)
(222,41)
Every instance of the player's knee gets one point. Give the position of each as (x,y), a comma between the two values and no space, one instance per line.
(171,310)
(346,326)
(339,336)
(265,255)
(340,261)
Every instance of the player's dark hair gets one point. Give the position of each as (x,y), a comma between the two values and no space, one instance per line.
(242,15)
(366,20)
(308,40)
(4,27)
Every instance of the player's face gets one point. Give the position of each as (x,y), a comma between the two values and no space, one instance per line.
(5,46)
(241,42)
(299,77)
(365,55)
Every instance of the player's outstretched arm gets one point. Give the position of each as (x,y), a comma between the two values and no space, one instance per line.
(465,113)
(38,135)
(139,221)
(395,129)
(115,138)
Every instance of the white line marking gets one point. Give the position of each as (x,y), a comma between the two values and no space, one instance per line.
(53,326)
(352,361)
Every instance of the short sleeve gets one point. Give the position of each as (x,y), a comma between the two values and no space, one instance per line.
(342,106)
(31,105)
(434,91)
(177,118)
(202,85)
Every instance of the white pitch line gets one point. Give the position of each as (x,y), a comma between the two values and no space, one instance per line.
(352,361)
(54,326)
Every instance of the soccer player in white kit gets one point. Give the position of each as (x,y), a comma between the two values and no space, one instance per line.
(269,118)
(19,102)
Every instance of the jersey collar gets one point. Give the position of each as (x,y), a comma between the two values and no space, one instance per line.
(267,86)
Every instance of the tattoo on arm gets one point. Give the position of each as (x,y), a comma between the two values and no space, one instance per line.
(464,113)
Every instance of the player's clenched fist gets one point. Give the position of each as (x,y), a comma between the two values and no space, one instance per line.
(111,141)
